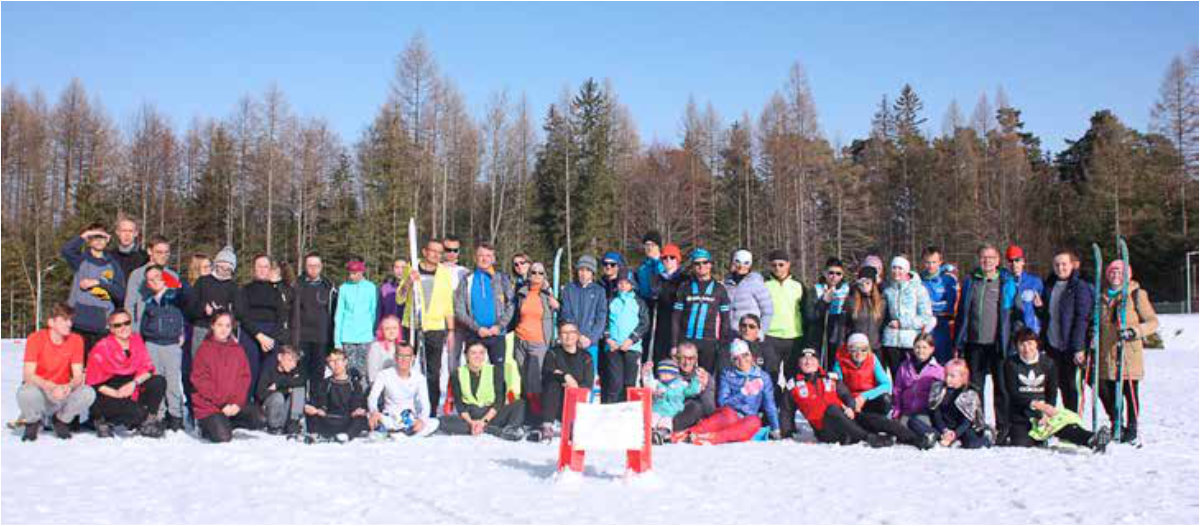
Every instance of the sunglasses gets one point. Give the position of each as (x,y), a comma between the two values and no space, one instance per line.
(743,263)
(120,324)
(833,273)
(452,250)
(672,258)
(779,264)
(702,263)
(536,273)
(748,326)
(520,263)
(609,264)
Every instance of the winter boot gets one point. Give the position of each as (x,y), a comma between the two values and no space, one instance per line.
(61,429)
(877,441)
(173,423)
(1100,439)
(513,433)
(31,431)
(291,428)
(151,428)
(103,429)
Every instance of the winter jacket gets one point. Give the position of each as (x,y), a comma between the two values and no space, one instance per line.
(956,409)
(864,321)
(354,320)
(398,394)
(664,305)
(162,317)
(438,313)
(908,303)
(649,278)
(1140,316)
(261,310)
(814,393)
(822,319)
(787,308)
(1025,288)
(272,380)
(749,295)
(1027,382)
(587,308)
(869,378)
(669,397)
(1074,315)
(93,306)
(220,376)
(559,363)
(107,361)
(502,299)
(136,292)
(943,293)
(312,310)
(962,321)
(628,319)
(910,396)
(128,259)
(388,303)
(701,311)
(208,289)
(749,393)
(547,319)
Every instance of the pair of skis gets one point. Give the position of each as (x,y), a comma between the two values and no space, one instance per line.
(1097,309)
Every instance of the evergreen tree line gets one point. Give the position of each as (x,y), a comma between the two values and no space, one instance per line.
(576,175)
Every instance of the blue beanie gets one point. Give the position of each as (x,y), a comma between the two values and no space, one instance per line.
(614,256)
(668,366)
(700,253)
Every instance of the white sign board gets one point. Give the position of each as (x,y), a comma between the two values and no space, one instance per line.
(609,427)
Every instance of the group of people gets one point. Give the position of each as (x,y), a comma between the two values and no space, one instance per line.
(729,358)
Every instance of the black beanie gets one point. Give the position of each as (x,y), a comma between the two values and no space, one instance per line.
(654,236)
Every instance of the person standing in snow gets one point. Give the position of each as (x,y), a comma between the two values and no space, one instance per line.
(909,313)
(483,303)
(1027,298)
(162,328)
(628,320)
(316,297)
(1066,316)
(611,266)
(128,253)
(392,292)
(98,286)
(584,306)
(399,398)
(825,311)
(702,311)
(1140,322)
(212,294)
(435,283)
(663,299)
(535,306)
(784,333)
(943,298)
(262,317)
(982,329)
(747,291)
(135,291)
(354,319)
(865,310)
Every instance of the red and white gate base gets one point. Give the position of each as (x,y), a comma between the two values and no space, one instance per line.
(571,458)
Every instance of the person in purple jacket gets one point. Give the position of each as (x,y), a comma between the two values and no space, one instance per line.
(917,373)
(392,292)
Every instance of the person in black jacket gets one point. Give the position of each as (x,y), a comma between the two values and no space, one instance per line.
(214,293)
(565,366)
(312,316)
(481,402)
(128,253)
(338,406)
(262,318)
(1065,320)
(1033,386)
(281,390)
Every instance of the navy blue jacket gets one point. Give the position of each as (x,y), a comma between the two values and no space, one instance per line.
(162,318)
(1074,314)
(587,308)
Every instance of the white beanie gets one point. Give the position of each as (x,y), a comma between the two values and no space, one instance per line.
(902,262)
(738,347)
(858,339)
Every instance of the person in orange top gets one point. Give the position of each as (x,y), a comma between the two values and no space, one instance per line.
(53,376)
(535,304)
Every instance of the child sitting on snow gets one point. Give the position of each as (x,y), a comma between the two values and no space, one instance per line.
(955,411)
(669,393)
(1032,389)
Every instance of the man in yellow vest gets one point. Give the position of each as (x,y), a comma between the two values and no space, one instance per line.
(481,405)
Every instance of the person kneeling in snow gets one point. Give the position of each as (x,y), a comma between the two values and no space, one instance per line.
(825,402)
(405,396)
(955,411)
(568,365)
(281,391)
(670,391)
(744,392)
(481,404)
(220,381)
(1032,382)
(338,406)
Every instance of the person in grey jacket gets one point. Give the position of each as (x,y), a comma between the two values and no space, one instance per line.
(483,303)
(98,287)
(748,292)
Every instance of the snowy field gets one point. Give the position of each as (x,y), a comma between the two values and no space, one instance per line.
(264,479)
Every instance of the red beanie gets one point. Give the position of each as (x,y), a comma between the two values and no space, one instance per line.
(1014,252)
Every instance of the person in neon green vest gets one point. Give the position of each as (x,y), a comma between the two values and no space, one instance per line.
(481,405)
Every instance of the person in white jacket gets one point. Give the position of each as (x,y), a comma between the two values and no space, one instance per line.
(399,398)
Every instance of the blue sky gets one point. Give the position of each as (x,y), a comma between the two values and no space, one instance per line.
(1057,62)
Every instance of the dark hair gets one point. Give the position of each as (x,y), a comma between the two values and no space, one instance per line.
(216,315)
(451,237)
(1025,334)
(925,337)
(930,250)
(834,262)
(154,267)
(521,255)
(259,256)
(286,274)
(312,254)
(157,239)
(405,346)
(288,349)
(95,225)
(484,245)
(119,312)
(751,316)
(1069,252)
(62,310)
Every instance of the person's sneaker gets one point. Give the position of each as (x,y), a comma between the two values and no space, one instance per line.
(874,440)
(151,428)
(173,423)
(513,433)
(292,427)
(924,442)
(1100,440)
(31,431)
(534,435)
(61,429)
(103,430)
(659,437)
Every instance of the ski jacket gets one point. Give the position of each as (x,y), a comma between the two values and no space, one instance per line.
(261,310)
(669,397)
(813,394)
(136,292)
(700,312)
(908,303)
(910,396)
(93,306)
(649,278)
(749,296)
(502,302)
(868,378)
(162,318)
(220,376)
(354,320)
(628,319)
(1139,316)
(749,393)
(787,308)
(313,310)
(864,321)
(943,293)
(962,322)
(1074,315)
(438,313)
(1025,289)
(389,301)
(587,308)
(547,318)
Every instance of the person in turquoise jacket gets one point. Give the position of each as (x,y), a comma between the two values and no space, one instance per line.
(628,320)
(354,319)
(670,392)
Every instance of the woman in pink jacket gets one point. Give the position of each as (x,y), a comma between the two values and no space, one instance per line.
(128,392)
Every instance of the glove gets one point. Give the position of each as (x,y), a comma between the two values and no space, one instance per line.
(100,293)
(775,435)
(1128,334)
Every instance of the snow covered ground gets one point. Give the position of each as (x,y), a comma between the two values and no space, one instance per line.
(264,479)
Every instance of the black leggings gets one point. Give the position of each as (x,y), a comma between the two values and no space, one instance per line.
(1108,396)
(331,425)
(878,423)
(692,414)
(509,415)
(1065,367)
(219,428)
(126,411)
(1072,433)
(839,428)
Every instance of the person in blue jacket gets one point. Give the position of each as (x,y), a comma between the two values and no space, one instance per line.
(943,296)
(1027,293)
(649,273)
(585,305)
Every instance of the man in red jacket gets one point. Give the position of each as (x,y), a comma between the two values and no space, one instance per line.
(221,379)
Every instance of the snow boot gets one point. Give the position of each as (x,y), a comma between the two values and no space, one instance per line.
(1100,440)
(173,423)
(513,433)
(151,428)
(660,436)
(877,441)
(274,431)
(61,429)
(103,430)
(31,431)
(291,428)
